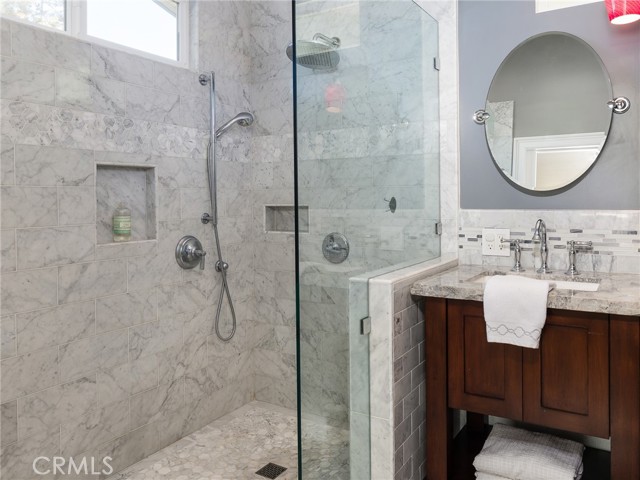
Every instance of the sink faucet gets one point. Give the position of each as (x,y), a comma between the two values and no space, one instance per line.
(540,235)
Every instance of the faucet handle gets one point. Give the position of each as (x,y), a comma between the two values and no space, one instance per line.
(517,267)
(573,247)
(576,245)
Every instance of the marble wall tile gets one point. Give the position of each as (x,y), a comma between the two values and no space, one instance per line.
(153,404)
(24,291)
(175,172)
(8,346)
(16,460)
(28,207)
(41,46)
(168,204)
(8,250)
(89,280)
(194,202)
(89,92)
(49,327)
(46,247)
(120,382)
(49,166)
(146,272)
(77,205)
(96,352)
(5,38)
(194,112)
(152,105)
(7,165)
(127,249)
(178,80)
(46,410)
(29,373)
(86,433)
(152,338)
(120,311)
(192,296)
(9,422)
(270,30)
(27,82)
(122,66)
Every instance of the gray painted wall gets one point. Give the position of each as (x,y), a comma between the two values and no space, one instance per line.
(614,181)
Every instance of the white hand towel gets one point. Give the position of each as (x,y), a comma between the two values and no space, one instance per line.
(515,309)
(515,453)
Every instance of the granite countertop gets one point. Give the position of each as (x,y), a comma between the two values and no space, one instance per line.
(618,293)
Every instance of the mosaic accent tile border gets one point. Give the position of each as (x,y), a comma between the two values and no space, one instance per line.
(615,236)
(33,124)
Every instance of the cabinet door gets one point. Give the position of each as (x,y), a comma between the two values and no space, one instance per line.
(566,380)
(483,377)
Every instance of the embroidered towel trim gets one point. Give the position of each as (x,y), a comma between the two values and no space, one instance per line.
(515,309)
(488,476)
(519,454)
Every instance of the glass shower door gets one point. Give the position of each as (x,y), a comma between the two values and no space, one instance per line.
(367,138)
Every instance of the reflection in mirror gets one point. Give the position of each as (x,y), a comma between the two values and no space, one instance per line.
(548,114)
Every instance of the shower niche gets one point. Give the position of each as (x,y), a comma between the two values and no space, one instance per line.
(135,187)
(281,218)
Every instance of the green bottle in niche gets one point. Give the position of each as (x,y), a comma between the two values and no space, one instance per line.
(122,224)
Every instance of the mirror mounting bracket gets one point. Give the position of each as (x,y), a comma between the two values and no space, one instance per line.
(619,104)
(480,116)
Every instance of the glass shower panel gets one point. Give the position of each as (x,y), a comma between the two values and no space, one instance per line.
(367,138)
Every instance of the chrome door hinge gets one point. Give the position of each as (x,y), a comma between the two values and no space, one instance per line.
(436,63)
(438,228)
(365,326)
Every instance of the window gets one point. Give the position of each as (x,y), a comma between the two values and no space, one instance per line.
(157,27)
(50,13)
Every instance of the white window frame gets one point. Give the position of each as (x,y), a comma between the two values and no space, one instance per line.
(76,26)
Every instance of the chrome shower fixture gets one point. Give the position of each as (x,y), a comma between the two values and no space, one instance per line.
(319,54)
(244,119)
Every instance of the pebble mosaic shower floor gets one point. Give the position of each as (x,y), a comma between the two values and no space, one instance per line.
(237,445)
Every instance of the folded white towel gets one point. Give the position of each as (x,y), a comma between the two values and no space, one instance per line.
(488,476)
(511,452)
(515,309)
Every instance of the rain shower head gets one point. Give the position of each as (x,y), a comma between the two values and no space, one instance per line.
(244,119)
(319,54)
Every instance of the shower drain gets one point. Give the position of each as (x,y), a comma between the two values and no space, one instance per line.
(271,470)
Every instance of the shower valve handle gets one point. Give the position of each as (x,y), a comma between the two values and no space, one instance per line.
(201,254)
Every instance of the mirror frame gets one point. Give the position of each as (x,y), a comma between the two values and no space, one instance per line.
(480,117)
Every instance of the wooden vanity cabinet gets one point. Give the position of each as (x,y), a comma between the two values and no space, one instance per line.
(565,384)
(483,377)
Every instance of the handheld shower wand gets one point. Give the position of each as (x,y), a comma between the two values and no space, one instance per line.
(243,119)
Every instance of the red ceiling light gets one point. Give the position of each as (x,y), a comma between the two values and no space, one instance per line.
(623,11)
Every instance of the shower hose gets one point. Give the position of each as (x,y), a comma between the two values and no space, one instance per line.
(221,266)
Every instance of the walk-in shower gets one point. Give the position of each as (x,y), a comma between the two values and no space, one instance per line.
(244,119)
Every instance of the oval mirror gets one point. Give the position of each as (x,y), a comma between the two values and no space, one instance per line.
(548,114)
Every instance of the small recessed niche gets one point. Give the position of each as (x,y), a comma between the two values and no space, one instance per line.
(281,218)
(133,186)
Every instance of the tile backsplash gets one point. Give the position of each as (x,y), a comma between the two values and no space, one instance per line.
(615,235)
